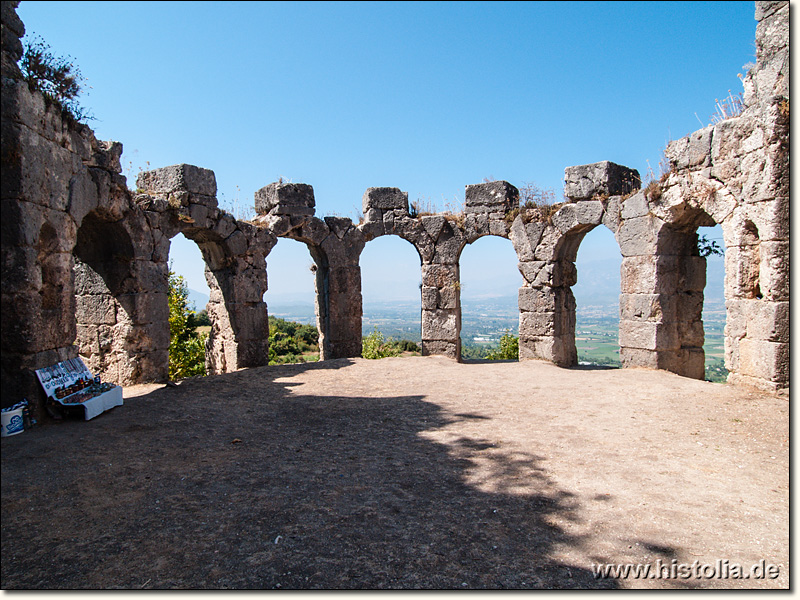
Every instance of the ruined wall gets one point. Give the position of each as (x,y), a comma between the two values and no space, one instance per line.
(84,260)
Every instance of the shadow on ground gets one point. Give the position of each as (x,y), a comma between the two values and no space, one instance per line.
(236,482)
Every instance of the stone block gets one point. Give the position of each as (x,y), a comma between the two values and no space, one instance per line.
(519,238)
(430,298)
(82,195)
(151,308)
(637,236)
(583,182)
(440,275)
(236,244)
(774,271)
(648,335)
(545,299)
(449,297)
(384,198)
(638,357)
(441,348)
(634,206)
(688,306)
(433,225)
(95,310)
(691,152)
(686,362)
(536,324)
(296,199)
(768,321)
(21,223)
(649,275)
(345,280)
(491,197)
(577,216)
(563,274)
(772,217)
(224,226)
(742,272)
(21,271)
(736,316)
(339,226)
(106,156)
(764,360)
(647,307)
(692,276)
(557,349)
(551,240)
(530,270)
(691,334)
(611,214)
(178,178)
(440,325)
(732,353)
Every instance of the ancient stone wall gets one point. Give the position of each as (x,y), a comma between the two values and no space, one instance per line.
(85,260)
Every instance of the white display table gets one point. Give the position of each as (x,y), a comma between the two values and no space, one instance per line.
(65,374)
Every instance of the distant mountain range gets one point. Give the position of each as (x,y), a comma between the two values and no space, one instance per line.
(199,299)
(598,285)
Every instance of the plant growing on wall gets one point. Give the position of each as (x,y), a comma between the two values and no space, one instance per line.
(57,77)
(187,348)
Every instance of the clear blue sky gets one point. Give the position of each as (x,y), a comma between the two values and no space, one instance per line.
(427,97)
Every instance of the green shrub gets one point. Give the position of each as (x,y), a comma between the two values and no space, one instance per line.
(56,77)
(406,346)
(187,348)
(508,350)
(375,345)
(288,341)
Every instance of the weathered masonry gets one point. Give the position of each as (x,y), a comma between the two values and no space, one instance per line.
(84,259)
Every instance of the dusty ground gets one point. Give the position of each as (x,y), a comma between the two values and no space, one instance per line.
(402,473)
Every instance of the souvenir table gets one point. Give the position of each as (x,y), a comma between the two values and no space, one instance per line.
(69,383)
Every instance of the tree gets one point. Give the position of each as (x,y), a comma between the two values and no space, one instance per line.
(187,352)
(708,247)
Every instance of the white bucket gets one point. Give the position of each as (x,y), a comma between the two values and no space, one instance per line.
(12,422)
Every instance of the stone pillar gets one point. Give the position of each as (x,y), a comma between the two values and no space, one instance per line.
(441,310)
(342,290)
(547,321)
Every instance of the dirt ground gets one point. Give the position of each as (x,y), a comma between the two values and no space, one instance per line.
(404,473)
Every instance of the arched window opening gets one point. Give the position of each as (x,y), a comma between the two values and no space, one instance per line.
(596,295)
(186,260)
(490,282)
(188,298)
(390,289)
(104,297)
(711,246)
(292,303)
(751,261)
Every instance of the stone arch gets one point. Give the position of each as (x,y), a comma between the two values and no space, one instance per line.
(496,268)
(322,288)
(396,268)
(235,270)
(182,199)
(549,251)
(335,244)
